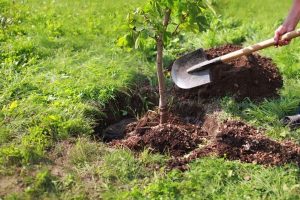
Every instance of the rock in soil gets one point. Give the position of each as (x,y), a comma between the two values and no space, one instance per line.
(117,130)
(254,77)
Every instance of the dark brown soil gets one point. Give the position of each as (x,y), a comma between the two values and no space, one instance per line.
(254,77)
(195,132)
(232,140)
(174,138)
(238,141)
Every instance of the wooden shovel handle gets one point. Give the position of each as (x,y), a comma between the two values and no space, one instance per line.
(261,45)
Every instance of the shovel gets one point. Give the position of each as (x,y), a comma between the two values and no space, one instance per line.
(192,69)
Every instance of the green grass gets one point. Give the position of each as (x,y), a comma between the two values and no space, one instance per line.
(103,174)
(60,66)
(220,179)
(55,60)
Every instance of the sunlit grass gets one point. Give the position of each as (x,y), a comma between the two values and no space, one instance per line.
(57,57)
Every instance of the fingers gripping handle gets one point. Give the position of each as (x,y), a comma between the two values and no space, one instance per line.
(261,45)
(291,35)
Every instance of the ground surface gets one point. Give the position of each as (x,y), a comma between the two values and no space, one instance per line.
(62,78)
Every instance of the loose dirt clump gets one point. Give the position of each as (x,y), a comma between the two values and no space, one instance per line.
(175,137)
(254,77)
(238,141)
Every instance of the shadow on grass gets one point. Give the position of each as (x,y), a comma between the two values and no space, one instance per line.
(127,103)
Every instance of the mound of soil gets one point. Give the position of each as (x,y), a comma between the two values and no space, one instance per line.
(175,137)
(195,132)
(238,141)
(233,140)
(254,77)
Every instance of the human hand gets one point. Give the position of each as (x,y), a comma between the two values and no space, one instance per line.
(281,30)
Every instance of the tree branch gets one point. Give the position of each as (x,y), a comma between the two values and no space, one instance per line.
(175,31)
(167,18)
(146,18)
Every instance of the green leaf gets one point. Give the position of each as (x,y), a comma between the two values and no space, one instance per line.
(13,105)
(139,28)
(147,22)
(167,37)
(137,43)
(121,42)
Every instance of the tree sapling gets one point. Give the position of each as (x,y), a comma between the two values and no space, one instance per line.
(162,20)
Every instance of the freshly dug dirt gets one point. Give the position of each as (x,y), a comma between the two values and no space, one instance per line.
(175,137)
(238,141)
(185,142)
(254,77)
(124,106)
(195,131)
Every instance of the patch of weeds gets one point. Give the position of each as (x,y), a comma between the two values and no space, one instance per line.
(68,181)
(152,160)
(10,155)
(121,166)
(43,185)
(109,171)
(5,136)
(86,151)
(13,197)
(30,150)
(120,171)
(37,139)
(211,178)
(17,155)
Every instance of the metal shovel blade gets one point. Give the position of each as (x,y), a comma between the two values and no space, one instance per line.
(186,80)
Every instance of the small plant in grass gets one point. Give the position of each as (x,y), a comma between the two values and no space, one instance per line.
(85,151)
(162,20)
(43,184)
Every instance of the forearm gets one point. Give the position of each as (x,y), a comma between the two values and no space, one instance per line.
(293,16)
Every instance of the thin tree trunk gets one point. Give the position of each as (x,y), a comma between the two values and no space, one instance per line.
(161,81)
(163,99)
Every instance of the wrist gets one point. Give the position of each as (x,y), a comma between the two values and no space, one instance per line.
(290,24)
